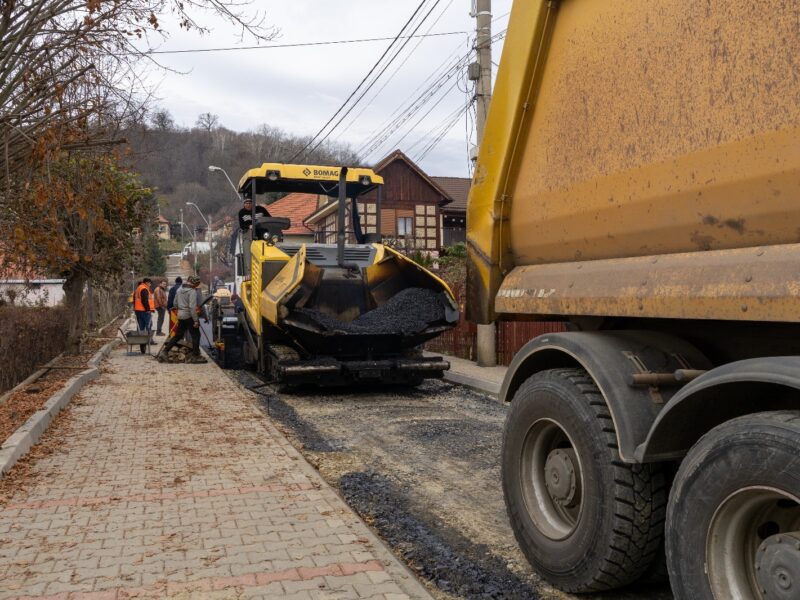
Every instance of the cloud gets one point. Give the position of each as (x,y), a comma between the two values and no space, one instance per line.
(299,89)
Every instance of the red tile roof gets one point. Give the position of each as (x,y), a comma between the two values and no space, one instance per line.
(296,207)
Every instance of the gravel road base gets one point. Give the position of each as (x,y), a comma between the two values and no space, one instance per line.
(421,467)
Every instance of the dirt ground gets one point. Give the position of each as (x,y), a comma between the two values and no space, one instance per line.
(421,467)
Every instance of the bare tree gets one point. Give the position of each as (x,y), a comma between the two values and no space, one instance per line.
(207,121)
(162,120)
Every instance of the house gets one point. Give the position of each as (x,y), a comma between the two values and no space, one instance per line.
(411,208)
(163,228)
(29,288)
(297,208)
(454,215)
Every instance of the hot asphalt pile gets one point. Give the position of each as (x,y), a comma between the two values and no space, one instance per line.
(408,312)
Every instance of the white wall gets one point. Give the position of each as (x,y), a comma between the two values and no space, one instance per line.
(45,293)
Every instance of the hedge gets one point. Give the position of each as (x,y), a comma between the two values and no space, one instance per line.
(29,338)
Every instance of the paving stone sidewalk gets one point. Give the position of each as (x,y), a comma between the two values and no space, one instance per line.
(167,481)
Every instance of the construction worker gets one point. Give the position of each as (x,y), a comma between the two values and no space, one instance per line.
(173,313)
(188,320)
(143,308)
(246,214)
(160,301)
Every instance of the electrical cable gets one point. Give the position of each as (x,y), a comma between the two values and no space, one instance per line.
(375,80)
(436,72)
(396,71)
(377,141)
(290,45)
(444,132)
(410,101)
(361,83)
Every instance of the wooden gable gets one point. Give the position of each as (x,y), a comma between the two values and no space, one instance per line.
(405,186)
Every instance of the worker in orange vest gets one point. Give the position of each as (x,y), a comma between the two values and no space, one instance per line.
(143,307)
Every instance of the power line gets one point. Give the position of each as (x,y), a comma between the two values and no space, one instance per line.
(425,116)
(361,83)
(377,77)
(403,107)
(376,141)
(423,140)
(394,74)
(292,45)
(448,126)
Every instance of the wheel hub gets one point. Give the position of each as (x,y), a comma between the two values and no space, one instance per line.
(778,566)
(560,478)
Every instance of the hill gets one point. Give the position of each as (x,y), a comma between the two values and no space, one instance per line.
(175,161)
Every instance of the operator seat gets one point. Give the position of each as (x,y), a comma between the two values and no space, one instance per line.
(270,229)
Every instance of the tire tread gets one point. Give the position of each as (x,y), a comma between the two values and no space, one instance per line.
(637,536)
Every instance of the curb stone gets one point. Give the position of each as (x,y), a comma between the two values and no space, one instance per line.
(19,442)
(479,385)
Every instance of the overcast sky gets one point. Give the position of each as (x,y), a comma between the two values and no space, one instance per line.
(299,89)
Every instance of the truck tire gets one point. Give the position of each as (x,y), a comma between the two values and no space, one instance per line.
(586,521)
(736,490)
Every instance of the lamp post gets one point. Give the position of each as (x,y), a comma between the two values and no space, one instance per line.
(214,169)
(210,245)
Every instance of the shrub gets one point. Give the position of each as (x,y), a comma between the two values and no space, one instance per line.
(423,259)
(29,337)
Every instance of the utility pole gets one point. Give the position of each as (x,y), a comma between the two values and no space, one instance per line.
(481,73)
(182,226)
(483,47)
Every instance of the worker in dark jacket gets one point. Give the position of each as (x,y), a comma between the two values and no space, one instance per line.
(172,291)
(143,308)
(171,312)
(246,214)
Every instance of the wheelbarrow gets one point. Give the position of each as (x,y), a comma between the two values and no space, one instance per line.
(137,337)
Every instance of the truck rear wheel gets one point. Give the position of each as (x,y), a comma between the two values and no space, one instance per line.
(733,509)
(585,520)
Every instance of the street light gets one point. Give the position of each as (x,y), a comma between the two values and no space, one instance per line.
(210,245)
(214,169)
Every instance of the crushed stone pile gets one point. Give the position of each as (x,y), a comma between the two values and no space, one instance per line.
(408,312)
(181,353)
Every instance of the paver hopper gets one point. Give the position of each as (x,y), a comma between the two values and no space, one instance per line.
(331,313)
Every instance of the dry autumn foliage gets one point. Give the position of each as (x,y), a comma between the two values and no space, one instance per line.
(88,213)
(68,69)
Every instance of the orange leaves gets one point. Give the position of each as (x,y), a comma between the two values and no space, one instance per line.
(79,213)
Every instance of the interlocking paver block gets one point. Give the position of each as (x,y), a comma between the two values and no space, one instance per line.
(185,491)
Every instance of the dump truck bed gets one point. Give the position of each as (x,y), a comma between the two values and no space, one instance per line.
(625,132)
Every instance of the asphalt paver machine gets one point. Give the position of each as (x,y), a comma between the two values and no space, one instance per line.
(329,313)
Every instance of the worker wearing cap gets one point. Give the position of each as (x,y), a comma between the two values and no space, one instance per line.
(246,214)
(188,320)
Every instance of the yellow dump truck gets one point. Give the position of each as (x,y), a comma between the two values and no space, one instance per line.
(639,178)
(328,314)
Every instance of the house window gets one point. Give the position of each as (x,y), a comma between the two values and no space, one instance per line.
(404,226)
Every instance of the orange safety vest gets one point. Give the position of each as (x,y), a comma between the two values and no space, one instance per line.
(137,298)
